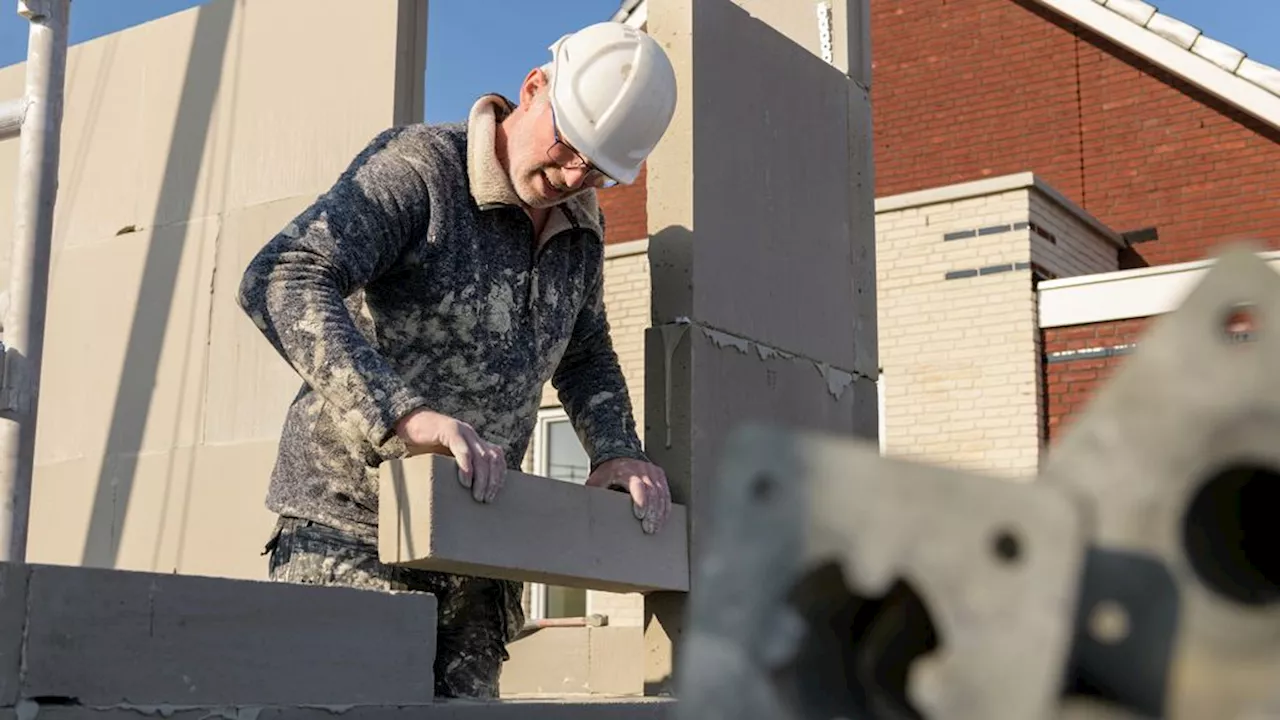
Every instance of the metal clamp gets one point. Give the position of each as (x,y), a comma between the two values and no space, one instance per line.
(35,9)
(1138,577)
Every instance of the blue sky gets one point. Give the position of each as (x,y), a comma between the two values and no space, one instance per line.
(512,36)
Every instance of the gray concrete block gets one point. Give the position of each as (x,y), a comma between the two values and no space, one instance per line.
(538,530)
(593,709)
(761,243)
(703,384)
(106,637)
(13,618)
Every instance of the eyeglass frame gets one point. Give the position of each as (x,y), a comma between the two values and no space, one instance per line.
(555,131)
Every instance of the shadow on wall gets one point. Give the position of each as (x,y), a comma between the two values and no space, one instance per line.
(156,295)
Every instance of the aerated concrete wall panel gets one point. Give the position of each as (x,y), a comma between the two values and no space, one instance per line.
(762,250)
(99,638)
(771,185)
(187,143)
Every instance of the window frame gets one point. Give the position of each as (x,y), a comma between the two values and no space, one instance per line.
(540,462)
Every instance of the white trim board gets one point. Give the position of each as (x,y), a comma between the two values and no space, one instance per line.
(1123,295)
(626,249)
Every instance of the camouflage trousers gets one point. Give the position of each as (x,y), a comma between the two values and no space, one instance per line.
(477,617)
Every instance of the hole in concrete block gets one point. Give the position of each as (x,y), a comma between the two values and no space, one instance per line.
(1006,546)
(1240,323)
(1230,534)
(857,653)
(762,488)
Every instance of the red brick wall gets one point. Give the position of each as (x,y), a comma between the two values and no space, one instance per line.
(966,90)
(1071,381)
(624,210)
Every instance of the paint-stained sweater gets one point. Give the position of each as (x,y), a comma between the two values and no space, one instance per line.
(416,282)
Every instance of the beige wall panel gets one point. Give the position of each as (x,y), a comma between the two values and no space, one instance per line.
(94,301)
(62,505)
(291,115)
(100,173)
(148,528)
(188,142)
(250,386)
(227,525)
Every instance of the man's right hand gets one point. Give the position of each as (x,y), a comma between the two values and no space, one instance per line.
(482,466)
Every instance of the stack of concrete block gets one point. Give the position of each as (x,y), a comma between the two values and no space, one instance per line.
(762,247)
(96,644)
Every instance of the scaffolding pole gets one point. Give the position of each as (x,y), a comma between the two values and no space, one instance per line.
(37,188)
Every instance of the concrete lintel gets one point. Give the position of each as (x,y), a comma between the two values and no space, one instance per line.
(541,709)
(538,530)
(107,637)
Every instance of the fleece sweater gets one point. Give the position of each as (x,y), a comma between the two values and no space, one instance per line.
(416,282)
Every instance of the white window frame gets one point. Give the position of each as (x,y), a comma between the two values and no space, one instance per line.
(541,461)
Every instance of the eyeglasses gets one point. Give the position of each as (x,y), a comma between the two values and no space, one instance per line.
(564,156)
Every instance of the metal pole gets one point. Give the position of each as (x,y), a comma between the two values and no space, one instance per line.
(29,273)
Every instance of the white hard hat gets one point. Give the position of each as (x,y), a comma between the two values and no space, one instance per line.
(613,92)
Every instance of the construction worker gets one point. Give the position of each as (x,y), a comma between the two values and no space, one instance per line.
(425,300)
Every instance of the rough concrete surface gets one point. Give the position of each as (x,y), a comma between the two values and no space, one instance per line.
(107,637)
(13,612)
(577,709)
(717,382)
(538,530)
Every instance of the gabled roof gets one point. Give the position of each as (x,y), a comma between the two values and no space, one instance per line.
(1215,67)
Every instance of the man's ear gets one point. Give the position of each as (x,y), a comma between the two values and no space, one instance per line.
(533,84)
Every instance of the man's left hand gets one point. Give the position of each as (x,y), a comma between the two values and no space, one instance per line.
(647,484)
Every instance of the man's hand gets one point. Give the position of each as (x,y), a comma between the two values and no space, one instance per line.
(647,484)
(482,466)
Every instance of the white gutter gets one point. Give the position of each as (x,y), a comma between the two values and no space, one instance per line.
(1123,295)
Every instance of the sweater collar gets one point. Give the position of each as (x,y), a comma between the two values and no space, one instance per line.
(491,186)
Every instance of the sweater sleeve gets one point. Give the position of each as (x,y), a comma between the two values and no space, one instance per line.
(591,387)
(294,288)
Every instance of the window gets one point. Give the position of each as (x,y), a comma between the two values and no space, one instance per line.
(557,453)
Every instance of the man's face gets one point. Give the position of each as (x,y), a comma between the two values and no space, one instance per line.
(545,171)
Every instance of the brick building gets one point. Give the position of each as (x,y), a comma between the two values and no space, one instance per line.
(1050,175)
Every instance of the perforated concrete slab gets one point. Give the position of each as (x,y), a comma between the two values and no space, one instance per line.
(538,530)
(107,637)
